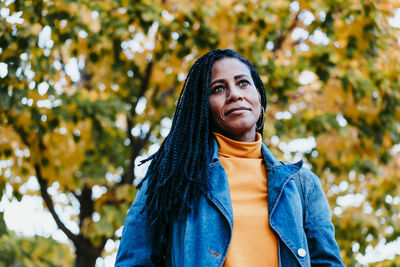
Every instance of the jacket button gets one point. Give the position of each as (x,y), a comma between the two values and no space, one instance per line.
(301,252)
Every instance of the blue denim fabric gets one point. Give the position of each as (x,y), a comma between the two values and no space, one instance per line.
(301,221)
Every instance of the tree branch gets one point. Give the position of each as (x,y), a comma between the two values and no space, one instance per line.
(144,87)
(136,143)
(62,62)
(50,205)
(279,41)
(43,183)
(86,204)
(136,146)
(86,78)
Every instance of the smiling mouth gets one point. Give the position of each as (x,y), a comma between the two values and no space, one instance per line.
(235,109)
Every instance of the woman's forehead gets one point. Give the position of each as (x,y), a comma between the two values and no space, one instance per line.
(229,67)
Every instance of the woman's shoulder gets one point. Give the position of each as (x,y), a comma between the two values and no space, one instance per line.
(307,174)
(307,178)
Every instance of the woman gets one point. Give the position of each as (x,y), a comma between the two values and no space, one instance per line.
(214,195)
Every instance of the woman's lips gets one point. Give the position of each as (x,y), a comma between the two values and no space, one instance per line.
(236,110)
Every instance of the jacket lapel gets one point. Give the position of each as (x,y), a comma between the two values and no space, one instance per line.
(218,191)
(284,204)
(278,175)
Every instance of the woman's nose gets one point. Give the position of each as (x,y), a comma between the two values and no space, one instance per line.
(234,94)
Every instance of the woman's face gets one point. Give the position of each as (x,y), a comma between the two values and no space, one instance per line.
(234,100)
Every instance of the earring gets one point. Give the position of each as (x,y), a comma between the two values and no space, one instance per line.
(262,119)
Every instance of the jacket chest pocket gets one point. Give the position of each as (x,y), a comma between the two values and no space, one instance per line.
(202,239)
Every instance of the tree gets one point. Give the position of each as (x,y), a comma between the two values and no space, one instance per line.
(79,107)
(81,132)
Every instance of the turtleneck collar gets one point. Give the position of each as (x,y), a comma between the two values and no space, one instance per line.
(234,149)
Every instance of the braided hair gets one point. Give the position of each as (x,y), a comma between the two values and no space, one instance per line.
(178,173)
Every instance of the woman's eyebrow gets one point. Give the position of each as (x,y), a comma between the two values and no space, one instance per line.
(235,77)
(240,76)
(218,81)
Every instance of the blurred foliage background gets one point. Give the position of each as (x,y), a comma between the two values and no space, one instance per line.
(87,88)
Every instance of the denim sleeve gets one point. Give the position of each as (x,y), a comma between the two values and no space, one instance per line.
(323,248)
(139,246)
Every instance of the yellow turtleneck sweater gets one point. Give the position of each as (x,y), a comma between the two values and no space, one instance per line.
(253,242)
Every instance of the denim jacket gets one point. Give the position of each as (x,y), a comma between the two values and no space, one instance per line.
(298,213)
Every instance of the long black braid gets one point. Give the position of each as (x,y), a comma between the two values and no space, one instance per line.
(178,173)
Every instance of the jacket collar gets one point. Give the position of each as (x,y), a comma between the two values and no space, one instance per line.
(278,172)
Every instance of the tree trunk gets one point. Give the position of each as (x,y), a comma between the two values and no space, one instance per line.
(87,254)
(82,260)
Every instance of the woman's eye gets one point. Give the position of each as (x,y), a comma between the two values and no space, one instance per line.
(243,83)
(218,89)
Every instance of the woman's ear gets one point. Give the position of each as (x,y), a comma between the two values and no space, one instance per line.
(259,96)
(261,119)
